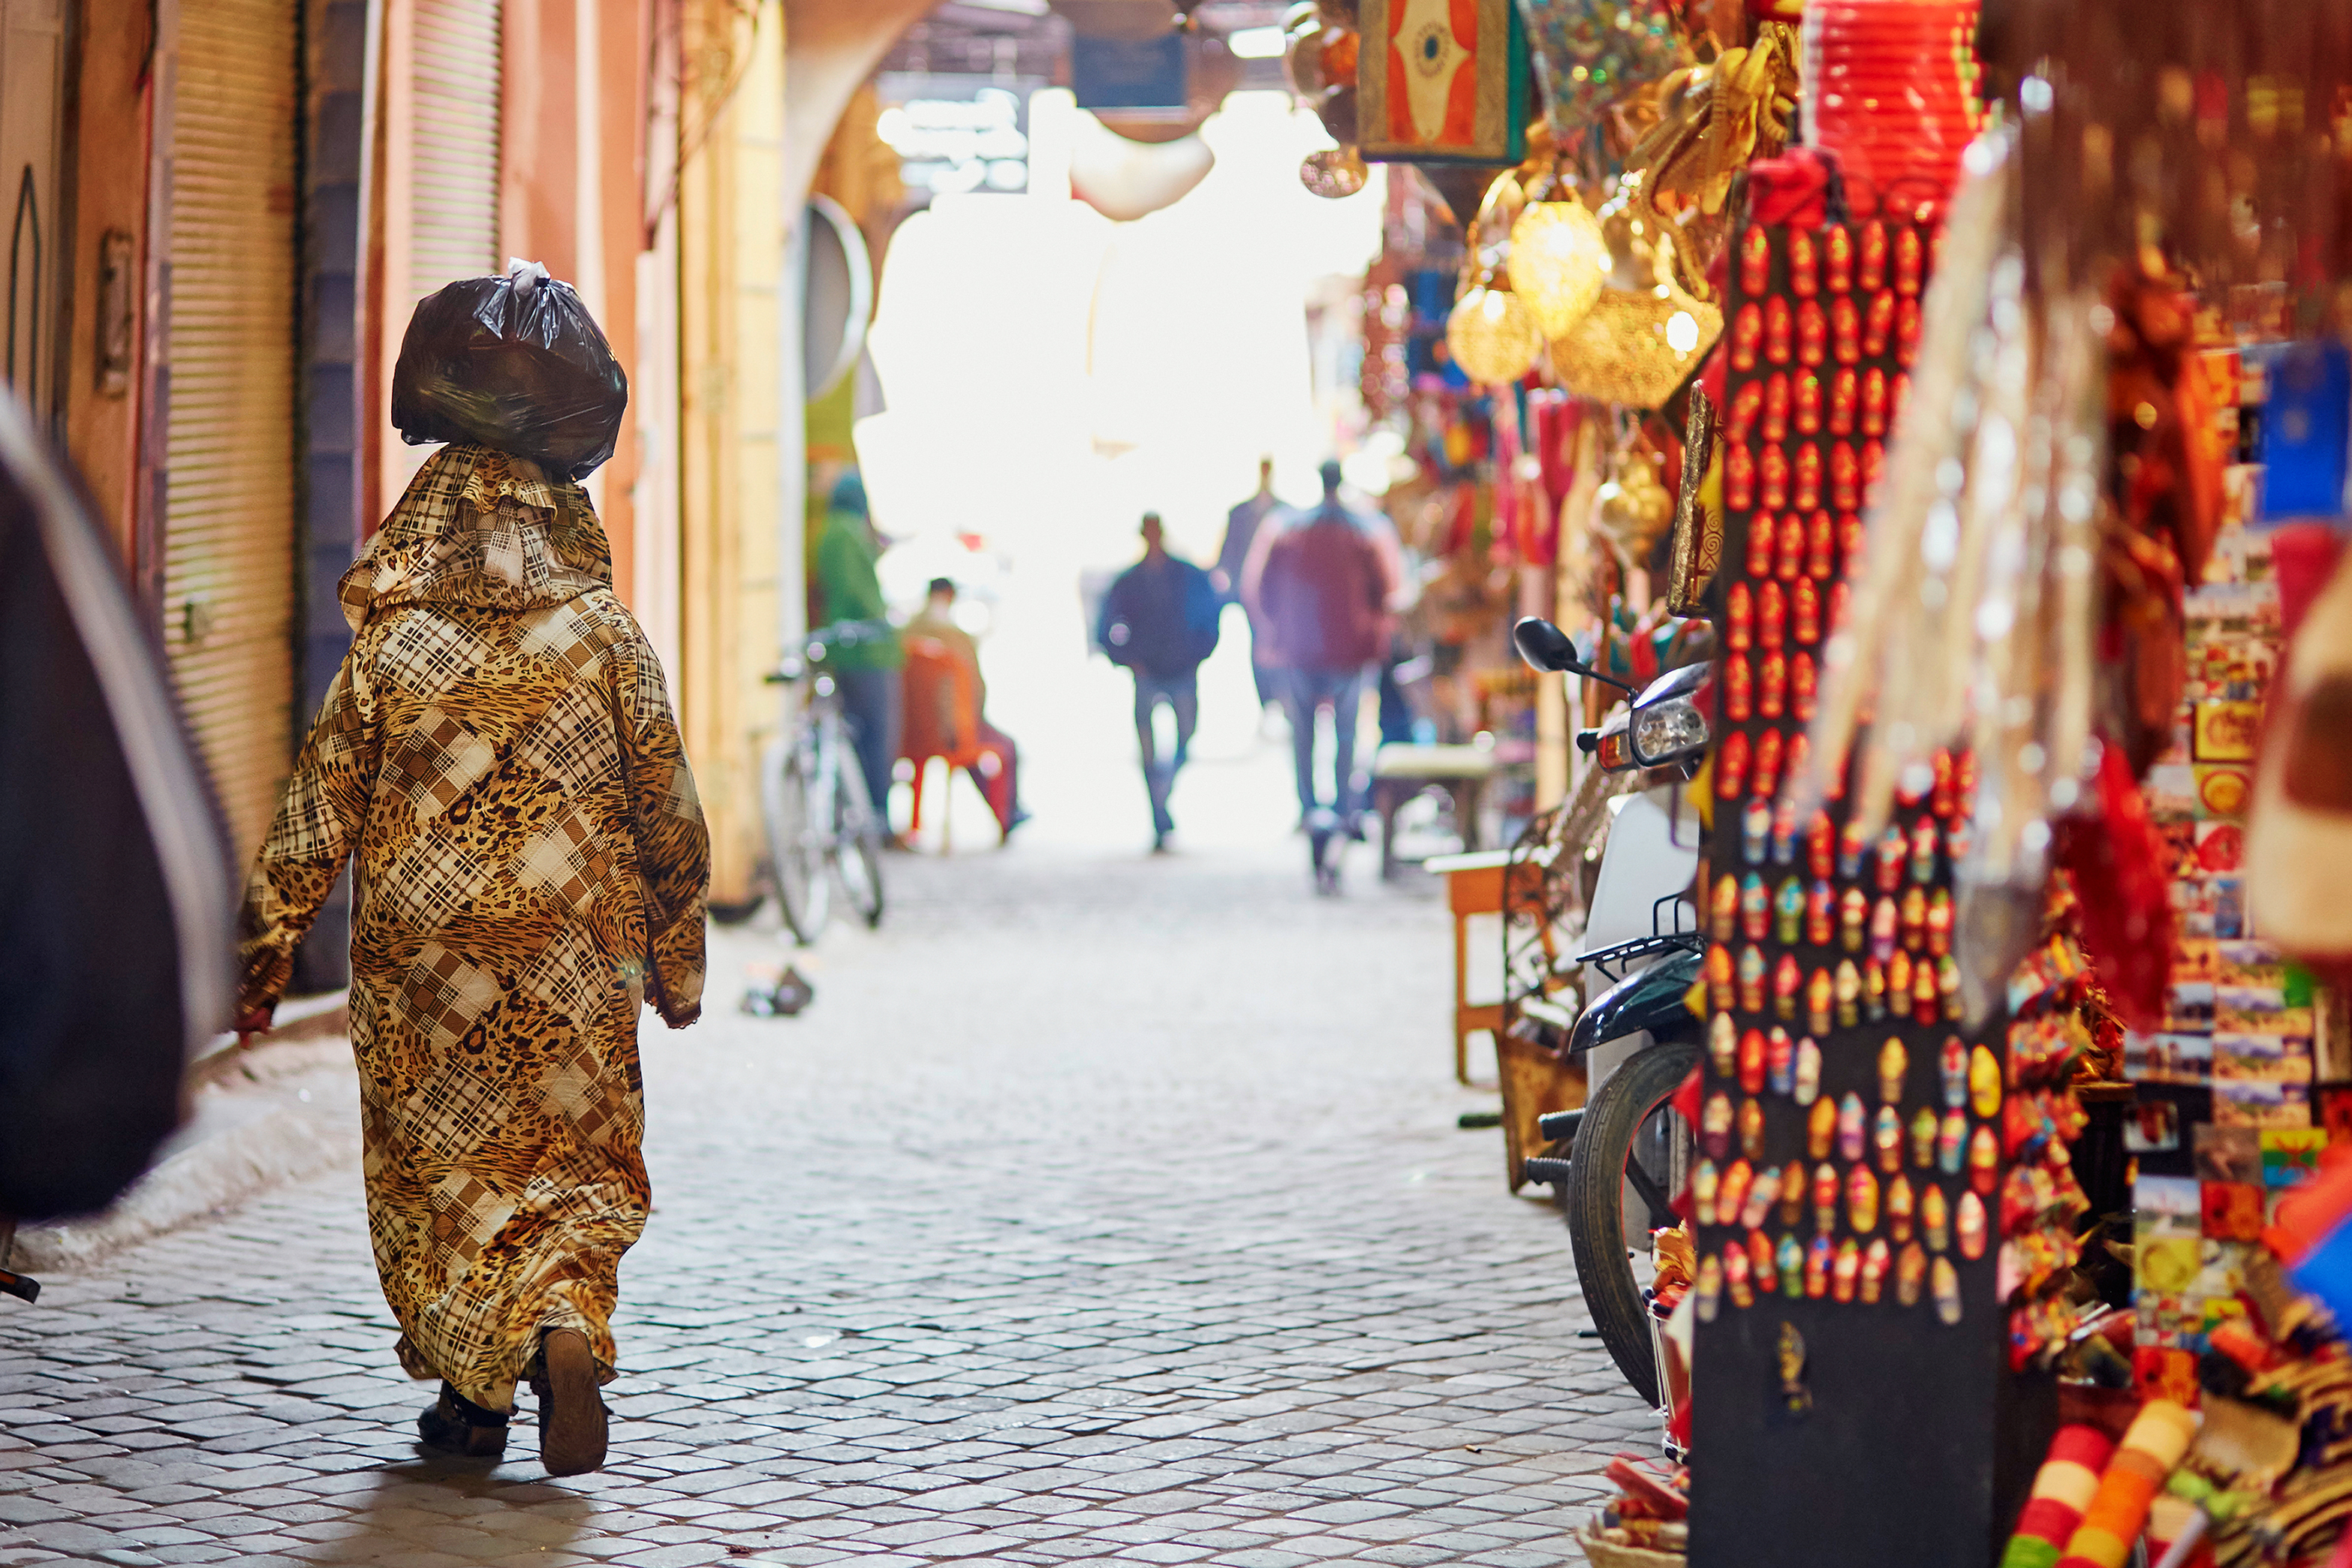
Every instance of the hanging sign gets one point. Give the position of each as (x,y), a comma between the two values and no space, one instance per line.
(1443,81)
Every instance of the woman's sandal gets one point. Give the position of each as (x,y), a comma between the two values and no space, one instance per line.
(456,1425)
(572,1416)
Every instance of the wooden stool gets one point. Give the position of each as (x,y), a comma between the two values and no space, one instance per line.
(1400,772)
(1475,885)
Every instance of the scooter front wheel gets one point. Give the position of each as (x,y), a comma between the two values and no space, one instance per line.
(1630,1144)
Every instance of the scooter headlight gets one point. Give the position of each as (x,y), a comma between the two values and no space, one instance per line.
(1668,731)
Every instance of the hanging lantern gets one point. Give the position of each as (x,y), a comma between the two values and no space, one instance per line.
(1558,261)
(1334,172)
(1645,334)
(1493,335)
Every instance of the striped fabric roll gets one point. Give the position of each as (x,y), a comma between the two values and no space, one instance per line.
(2062,1489)
(2157,1439)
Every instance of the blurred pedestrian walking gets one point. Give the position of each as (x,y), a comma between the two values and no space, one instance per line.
(864,671)
(500,752)
(999,784)
(1242,525)
(1320,581)
(1160,621)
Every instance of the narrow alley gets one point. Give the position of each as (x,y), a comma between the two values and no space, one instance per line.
(1130,1224)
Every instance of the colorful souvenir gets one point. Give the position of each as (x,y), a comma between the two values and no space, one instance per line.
(1731,764)
(1820,1129)
(1952,1068)
(1898,977)
(1939,922)
(1845,1270)
(1899,1209)
(1848,994)
(1948,1292)
(1772,686)
(1738,688)
(1746,407)
(1819,991)
(1768,766)
(1906,333)
(1723,908)
(1803,685)
(1817,1267)
(1951,1143)
(1873,402)
(1706,1181)
(1969,1221)
(1751,978)
(1891,850)
(1751,1130)
(1790,1261)
(1751,1060)
(1804,273)
(1846,321)
(1792,1192)
(1872,276)
(1775,1061)
(1894,1066)
(1821,845)
(1984,1082)
(1935,1218)
(1761,1197)
(1844,396)
(1735,1278)
(1821,541)
(1910,261)
(1772,614)
(1850,1124)
(1747,336)
(1853,845)
(1821,917)
(1788,550)
(1984,1161)
(1807,1086)
(1706,1290)
(1861,1201)
(1886,1137)
(1721,995)
(1775,426)
(1914,920)
(1923,992)
(1947,988)
(1759,1253)
(1772,478)
(1853,916)
(1784,832)
(1755,261)
(1837,248)
(1759,527)
(1885,925)
(1807,415)
(1805,616)
(1787,981)
(1874,990)
(1738,619)
(1910,1273)
(1780,329)
(1740,478)
(1922,1138)
(1879,325)
(1812,333)
(1875,1264)
(1841,598)
(1730,1194)
(1806,479)
(1722,1044)
(1755,912)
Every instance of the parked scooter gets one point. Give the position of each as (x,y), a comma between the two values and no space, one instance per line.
(1630,1151)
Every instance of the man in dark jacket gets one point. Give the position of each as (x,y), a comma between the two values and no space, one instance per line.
(1320,584)
(1160,621)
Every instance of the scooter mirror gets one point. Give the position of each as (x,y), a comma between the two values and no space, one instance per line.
(1546,647)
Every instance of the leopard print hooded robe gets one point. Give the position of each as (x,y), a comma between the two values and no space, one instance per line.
(499,752)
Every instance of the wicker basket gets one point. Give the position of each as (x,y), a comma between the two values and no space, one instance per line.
(1609,1554)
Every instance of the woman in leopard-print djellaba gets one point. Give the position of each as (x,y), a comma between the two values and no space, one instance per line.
(499,752)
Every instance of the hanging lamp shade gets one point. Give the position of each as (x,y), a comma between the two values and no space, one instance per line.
(1493,336)
(1558,261)
(1635,348)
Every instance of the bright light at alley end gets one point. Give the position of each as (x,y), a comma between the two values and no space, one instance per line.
(1255,42)
(947,144)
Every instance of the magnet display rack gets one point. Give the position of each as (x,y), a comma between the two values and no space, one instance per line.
(1857,1410)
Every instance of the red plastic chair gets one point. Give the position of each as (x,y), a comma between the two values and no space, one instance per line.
(942,721)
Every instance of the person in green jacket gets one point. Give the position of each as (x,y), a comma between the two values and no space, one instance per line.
(864,671)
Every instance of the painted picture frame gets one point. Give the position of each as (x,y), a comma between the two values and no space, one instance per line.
(1442,81)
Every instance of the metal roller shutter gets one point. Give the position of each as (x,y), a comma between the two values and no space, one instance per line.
(229,535)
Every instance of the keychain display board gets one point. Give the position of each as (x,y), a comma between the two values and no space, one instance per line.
(1851,1403)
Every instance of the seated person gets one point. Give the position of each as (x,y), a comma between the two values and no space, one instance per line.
(995,771)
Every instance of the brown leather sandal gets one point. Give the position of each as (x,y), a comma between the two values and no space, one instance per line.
(573,1420)
(456,1425)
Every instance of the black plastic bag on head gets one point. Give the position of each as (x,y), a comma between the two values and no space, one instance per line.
(515,363)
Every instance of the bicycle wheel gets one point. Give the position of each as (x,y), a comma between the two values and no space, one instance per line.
(857,841)
(795,844)
(1625,1164)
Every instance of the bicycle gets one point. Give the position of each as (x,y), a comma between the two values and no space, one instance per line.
(822,824)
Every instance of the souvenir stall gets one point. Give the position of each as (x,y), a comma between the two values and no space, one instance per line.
(1993,368)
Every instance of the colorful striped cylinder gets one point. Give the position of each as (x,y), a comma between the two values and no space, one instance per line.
(2159,1437)
(2062,1489)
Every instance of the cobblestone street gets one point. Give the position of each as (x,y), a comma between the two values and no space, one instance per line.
(1100,1209)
